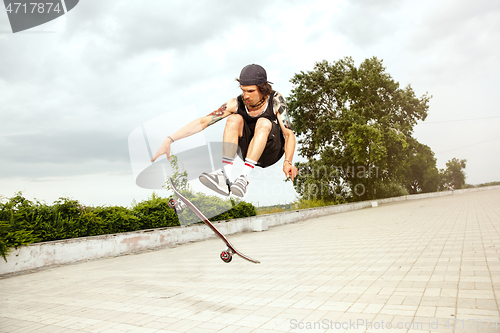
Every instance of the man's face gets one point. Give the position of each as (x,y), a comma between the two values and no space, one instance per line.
(251,94)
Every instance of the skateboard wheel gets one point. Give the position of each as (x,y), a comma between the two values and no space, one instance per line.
(226,256)
(171,203)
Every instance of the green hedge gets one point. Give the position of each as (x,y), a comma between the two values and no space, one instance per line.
(24,222)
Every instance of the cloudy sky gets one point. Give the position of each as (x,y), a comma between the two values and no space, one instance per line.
(74,89)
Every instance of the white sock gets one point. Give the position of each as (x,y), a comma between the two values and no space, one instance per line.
(227,166)
(248,167)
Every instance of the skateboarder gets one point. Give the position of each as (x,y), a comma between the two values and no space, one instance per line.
(257,123)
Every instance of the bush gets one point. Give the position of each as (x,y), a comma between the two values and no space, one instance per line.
(23,222)
(389,190)
(303,203)
(155,213)
(215,208)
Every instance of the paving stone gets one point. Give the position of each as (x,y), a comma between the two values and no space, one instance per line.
(421,263)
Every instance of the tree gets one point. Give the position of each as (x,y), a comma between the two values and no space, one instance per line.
(353,123)
(454,174)
(179,175)
(422,174)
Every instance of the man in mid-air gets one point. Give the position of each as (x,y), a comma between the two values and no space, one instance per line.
(257,123)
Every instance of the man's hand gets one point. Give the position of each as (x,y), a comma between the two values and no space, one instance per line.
(290,170)
(164,149)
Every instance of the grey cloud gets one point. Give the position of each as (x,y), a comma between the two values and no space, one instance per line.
(35,171)
(99,36)
(470,22)
(65,147)
(367,22)
(135,27)
(460,42)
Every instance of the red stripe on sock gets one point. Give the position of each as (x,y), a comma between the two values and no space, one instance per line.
(227,162)
(251,166)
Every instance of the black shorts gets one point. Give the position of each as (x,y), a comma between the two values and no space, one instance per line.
(274,147)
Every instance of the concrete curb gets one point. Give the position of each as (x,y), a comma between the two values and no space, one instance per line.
(63,252)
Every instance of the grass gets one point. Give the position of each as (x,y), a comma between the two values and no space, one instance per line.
(299,204)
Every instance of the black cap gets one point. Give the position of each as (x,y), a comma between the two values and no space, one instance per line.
(253,75)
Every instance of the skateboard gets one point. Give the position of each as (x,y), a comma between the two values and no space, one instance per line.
(180,204)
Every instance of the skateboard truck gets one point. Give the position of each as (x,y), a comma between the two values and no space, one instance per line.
(178,205)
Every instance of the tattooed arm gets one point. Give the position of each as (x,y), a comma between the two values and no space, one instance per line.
(281,110)
(196,126)
(225,110)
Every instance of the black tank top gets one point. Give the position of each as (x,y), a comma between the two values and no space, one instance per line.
(267,113)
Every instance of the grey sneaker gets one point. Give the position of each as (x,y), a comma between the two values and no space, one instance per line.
(216,181)
(239,186)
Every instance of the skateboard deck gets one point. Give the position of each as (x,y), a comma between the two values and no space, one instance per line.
(182,202)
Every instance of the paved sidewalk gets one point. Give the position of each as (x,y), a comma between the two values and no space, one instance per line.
(423,265)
